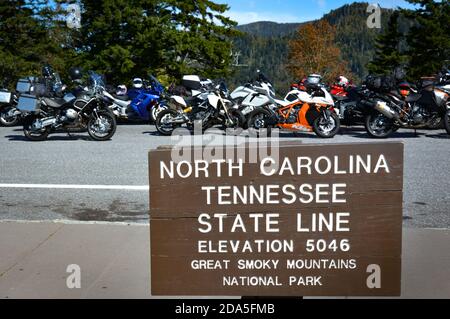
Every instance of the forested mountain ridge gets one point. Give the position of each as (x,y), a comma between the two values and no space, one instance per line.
(264,45)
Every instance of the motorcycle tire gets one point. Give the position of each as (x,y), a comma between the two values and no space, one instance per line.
(8,121)
(260,120)
(329,133)
(386,127)
(239,118)
(32,135)
(156,110)
(93,122)
(447,122)
(162,129)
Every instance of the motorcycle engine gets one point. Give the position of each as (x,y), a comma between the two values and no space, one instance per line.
(420,115)
(293,117)
(68,115)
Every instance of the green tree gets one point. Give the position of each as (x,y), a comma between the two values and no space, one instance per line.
(389,53)
(126,38)
(30,36)
(429,38)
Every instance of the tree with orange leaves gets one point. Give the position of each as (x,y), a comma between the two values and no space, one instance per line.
(313,50)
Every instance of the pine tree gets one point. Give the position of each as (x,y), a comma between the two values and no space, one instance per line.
(29,38)
(126,38)
(429,38)
(389,53)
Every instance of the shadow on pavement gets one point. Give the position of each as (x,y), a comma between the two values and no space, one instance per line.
(21,138)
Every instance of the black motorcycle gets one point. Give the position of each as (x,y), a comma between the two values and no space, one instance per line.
(10,115)
(75,112)
(408,109)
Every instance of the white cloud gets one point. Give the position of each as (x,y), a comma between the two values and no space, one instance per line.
(245,17)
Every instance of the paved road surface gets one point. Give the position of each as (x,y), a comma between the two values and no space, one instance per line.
(123,161)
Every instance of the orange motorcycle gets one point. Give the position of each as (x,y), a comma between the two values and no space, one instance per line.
(313,111)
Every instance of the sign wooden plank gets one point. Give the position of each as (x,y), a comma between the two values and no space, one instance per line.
(304,220)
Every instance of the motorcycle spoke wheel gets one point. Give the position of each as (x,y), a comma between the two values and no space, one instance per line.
(101,127)
(6,119)
(164,122)
(327,127)
(156,111)
(379,126)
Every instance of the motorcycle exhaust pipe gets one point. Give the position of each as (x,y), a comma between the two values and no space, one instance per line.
(44,123)
(384,109)
(368,104)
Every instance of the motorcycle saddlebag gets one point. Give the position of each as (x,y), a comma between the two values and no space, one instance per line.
(25,85)
(380,83)
(5,96)
(192,82)
(28,103)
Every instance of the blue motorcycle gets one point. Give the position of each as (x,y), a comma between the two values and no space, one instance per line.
(140,103)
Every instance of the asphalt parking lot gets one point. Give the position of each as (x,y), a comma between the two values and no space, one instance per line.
(122,163)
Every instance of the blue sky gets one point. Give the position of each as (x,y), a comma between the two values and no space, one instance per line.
(283,11)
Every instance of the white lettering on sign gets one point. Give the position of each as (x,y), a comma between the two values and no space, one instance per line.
(275,194)
(324,165)
(354,164)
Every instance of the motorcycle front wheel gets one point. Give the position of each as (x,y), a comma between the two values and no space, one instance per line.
(379,126)
(238,119)
(327,126)
(447,122)
(259,122)
(102,126)
(165,122)
(6,119)
(33,135)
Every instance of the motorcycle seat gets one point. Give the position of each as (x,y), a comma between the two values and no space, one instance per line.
(55,103)
(413,97)
(124,98)
(190,100)
(339,97)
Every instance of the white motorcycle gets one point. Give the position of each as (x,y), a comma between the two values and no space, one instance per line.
(207,106)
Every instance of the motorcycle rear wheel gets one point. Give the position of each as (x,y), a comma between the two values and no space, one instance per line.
(35,136)
(379,126)
(162,125)
(6,120)
(102,126)
(156,110)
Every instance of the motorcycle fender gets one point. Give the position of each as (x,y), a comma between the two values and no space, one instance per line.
(179,100)
(213,100)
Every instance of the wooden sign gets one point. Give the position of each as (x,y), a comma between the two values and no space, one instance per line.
(311,220)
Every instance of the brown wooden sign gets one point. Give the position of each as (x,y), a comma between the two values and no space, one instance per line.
(310,220)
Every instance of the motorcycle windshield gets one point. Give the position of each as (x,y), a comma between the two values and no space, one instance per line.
(95,81)
(156,85)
